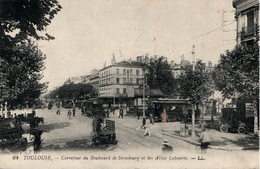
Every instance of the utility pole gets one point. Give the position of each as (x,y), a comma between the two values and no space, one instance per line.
(143,92)
(193,104)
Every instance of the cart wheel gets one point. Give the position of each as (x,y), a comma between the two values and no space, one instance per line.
(109,139)
(114,139)
(241,130)
(224,128)
(94,140)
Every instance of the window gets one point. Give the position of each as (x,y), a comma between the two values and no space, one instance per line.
(124,91)
(124,80)
(131,80)
(131,71)
(117,81)
(117,91)
(117,71)
(124,71)
(137,72)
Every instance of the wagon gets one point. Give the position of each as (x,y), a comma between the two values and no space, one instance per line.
(31,119)
(11,134)
(230,121)
(103,135)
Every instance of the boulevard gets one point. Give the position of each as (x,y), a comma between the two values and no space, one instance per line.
(62,133)
(69,140)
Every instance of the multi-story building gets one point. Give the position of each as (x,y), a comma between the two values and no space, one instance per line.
(247,15)
(120,79)
(179,69)
(121,85)
(94,79)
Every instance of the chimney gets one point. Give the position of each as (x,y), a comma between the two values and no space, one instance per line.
(130,61)
(113,60)
(172,64)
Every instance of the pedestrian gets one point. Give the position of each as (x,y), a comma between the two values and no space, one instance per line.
(99,125)
(74,111)
(166,146)
(147,130)
(144,119)
(37,139)
(69,114)
(151,118)
(8,113)
(33,112)
(58,111)
(204,140)
(107,113)
(83,110)
(121,113)
(138,113)
(113,109)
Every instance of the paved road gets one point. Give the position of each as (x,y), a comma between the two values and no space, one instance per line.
(62,135)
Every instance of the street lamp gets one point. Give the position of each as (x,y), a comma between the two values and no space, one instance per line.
(144,72)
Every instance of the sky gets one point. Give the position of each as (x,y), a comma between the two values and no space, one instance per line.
(88,32)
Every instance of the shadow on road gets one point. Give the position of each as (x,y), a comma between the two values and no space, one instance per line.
(49,127)
(248,142)
(82,144)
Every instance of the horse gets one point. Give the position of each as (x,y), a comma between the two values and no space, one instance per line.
(36,121)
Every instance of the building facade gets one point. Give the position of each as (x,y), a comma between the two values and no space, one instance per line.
(94,79)
(247,16)
(120,79)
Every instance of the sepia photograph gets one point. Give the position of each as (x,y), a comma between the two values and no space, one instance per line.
(129,84)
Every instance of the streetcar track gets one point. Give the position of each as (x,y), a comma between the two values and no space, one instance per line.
(134,132)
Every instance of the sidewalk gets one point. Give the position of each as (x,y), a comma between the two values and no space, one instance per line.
(219,140)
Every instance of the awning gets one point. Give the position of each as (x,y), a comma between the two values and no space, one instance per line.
(148,92)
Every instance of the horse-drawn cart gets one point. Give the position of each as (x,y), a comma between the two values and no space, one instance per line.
(31,119)
(103,135)
(11,134)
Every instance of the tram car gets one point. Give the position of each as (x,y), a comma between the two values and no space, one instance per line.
(93,108)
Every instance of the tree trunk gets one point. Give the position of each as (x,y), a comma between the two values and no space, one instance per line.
(256,129)
(193,121)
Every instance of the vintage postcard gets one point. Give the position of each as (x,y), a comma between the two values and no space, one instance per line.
(129,84)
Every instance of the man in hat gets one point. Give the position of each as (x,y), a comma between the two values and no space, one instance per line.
(205,140)
(166,146)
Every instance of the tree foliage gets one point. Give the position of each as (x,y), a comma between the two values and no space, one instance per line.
(73,91)
(159,75)
(196,84)
(27,18)
(21,73)
(22,22)
(237,74)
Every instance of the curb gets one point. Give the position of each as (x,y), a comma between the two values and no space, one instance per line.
(212,147)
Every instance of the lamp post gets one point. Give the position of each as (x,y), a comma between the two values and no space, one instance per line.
(144,71)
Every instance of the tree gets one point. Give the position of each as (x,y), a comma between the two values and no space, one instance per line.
(159,75)
(73,91)
(22,70)
(196,84)
(21,22)
(237,74)
(27,18)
